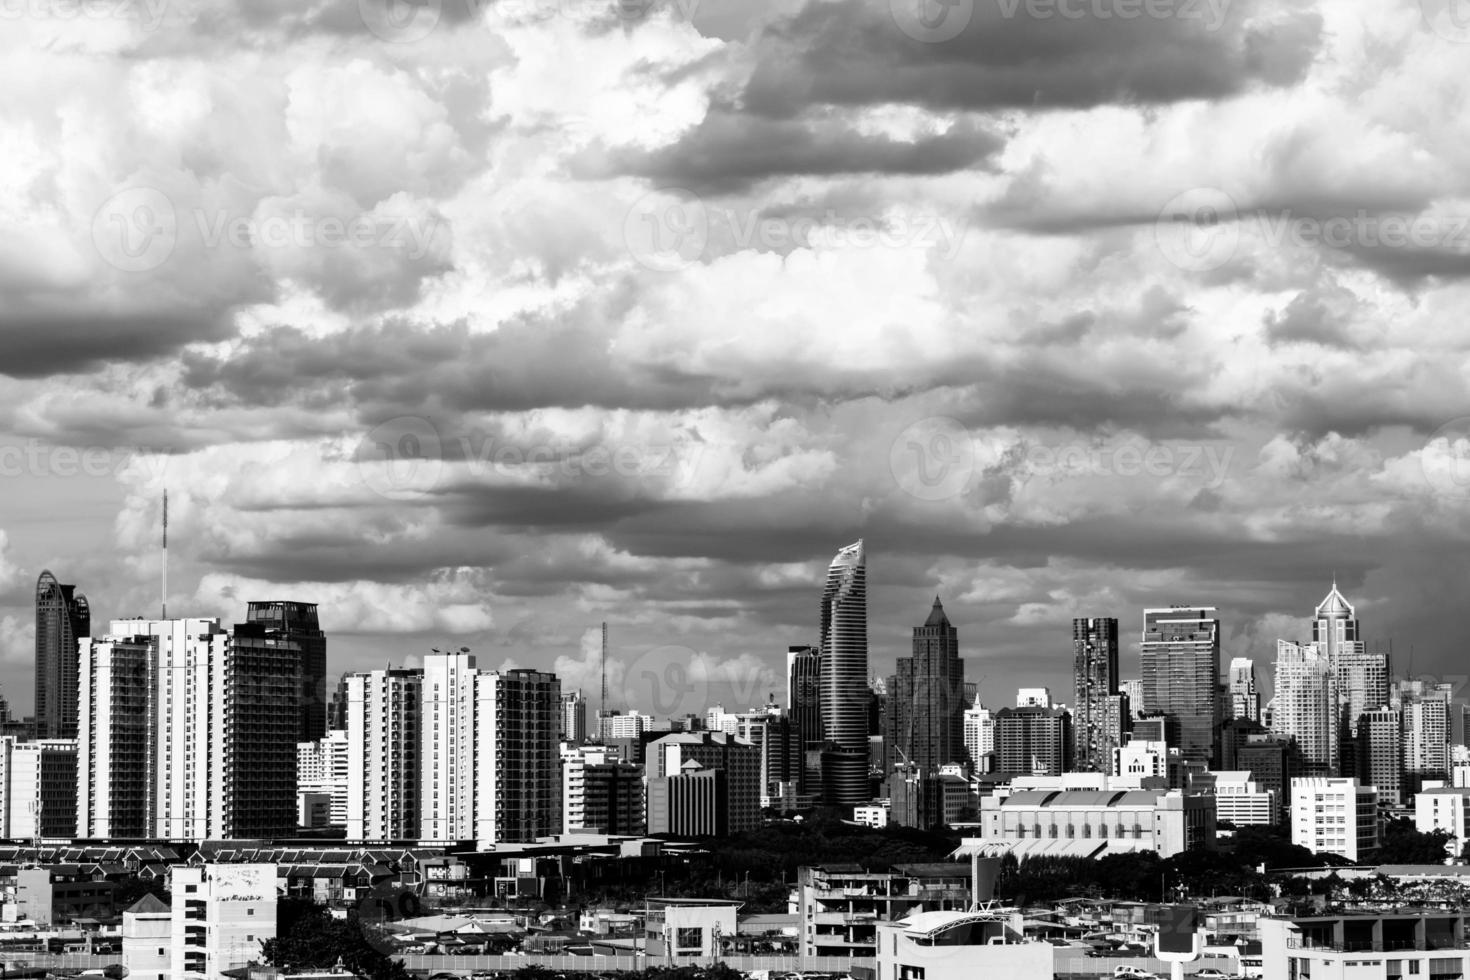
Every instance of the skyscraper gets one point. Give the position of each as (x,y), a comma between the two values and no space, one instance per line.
(925,699)
(384,741)
(1245,702)
(1180,658)
(62,619)
(1306,706)
(980,736)
(1095,679)
(1425,710)
(1033,741)
(294,626)
(574,717)
(1380,753)
(804,707)
(1362,677)
(844,651)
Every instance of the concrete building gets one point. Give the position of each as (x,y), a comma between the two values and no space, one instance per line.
(147,928)
(1424,708)
(573,717)
(874,815)
(842,905)
(489,757)
(1380,754)
(1445,808)
(1089,823)
(1180,660)
(62,894)
(703,784)
(979,734)
(1239,799)
(384,711)
(216,757)
(1033,697)
(277,626)
(1366,944)
(961,945)
(1306,706)
(322,768)
(1033,741)
(221,915)
(1245,701)
(1141,765)
(1335,816)
(39,780)
(678,929)
(601,794)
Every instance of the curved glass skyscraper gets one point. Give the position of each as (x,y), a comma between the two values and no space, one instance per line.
(62,618)
(844,651)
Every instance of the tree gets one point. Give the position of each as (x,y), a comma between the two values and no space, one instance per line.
(1403,843)
(308,938)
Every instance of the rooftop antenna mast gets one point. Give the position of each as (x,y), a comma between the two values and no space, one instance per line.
(602,711)
(163,596)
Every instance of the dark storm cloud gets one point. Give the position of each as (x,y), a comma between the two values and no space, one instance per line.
(1307,319)
(729,152)
(39,345)
(854,54)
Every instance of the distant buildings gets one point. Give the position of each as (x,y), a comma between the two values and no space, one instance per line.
(1245,702)
(63,617)
(1098,718)
(573,717)
(703,784)
(1335,816)
(844,671)
(1180,659)
(925,699)
(1306,706)
(1033,741)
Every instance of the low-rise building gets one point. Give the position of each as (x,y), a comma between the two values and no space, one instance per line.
(841,905)
(147,927)
(961,945)
(1239,798)
(1445,808)
(688,928)
(1335,816)
(221,914)
(1394,944)
(1090,823)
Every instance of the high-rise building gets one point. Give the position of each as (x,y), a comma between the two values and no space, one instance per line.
(384,742)
(489,753)
(600,793)
(1033,697)
(1362,677)
(1271,761)
(38,788)
(1180,658)
(1133,689)
(1095,680)
(322,768)
(573,717)
(1424,708)
(221,914)
(293,626)
(980,736)
(216,757)
(1380,753)
(844,671)
(1245,702)
(1306,708)
(1033,741)
(62,619)
(924,699)
(804,694)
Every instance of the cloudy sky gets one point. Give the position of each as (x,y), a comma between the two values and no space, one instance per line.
(479,322)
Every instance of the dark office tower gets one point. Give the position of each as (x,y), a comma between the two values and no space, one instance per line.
(295,624)
(1095,674)
(1180,656)
(804,708)
(844,649)
(926,697)
(263,722)
(62,618)
(1380,753)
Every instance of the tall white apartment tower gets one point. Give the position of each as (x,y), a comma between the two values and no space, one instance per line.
(489,752)
(1306,705)
(1245,701)
(383,746)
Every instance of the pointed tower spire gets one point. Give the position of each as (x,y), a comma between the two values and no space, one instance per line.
(936,615)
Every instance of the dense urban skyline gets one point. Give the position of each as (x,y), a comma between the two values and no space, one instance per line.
(1135,423)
